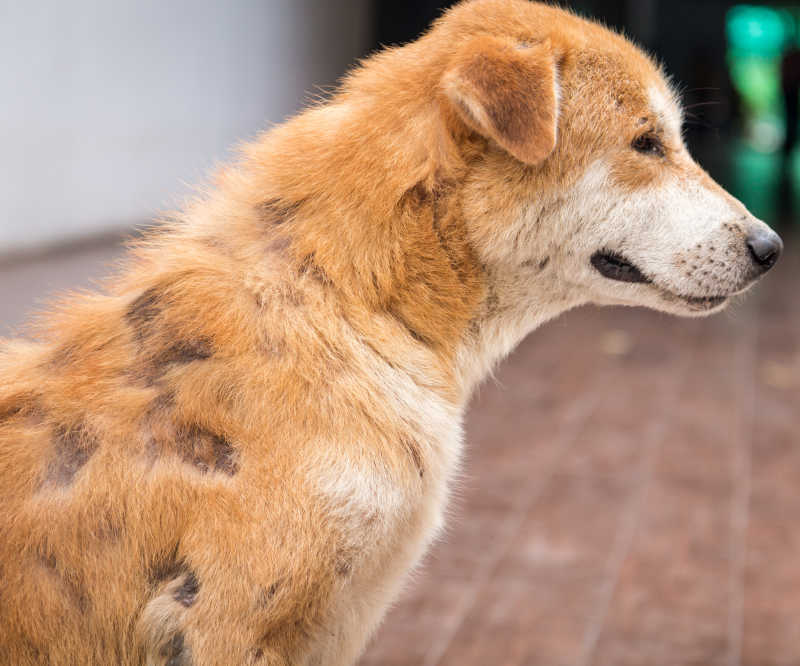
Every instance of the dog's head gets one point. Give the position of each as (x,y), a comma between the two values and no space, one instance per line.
(584,177)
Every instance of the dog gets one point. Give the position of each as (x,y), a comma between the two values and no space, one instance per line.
(235,451)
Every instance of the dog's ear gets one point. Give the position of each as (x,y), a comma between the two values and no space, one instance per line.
(508,93)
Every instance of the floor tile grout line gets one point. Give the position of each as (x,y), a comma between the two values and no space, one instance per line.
(573,427)
(630,525)
(740,502)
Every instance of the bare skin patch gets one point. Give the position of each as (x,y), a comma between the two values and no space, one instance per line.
(186,593)
(206,451)
(159,346)
(143,312)
(310,267)
(73,447)
(166,566)
(183,352)
(175,651)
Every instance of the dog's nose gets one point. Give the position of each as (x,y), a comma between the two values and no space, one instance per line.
(765,248)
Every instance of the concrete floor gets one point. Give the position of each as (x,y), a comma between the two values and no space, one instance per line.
(629,498)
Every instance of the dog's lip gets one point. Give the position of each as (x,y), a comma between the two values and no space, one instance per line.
(702,302)
(697,303)
(615,266)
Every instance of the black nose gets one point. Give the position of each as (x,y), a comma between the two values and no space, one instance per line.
(765,248)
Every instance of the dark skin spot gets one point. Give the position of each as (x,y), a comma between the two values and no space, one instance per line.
(145,316)
(176,652)
(543,264)
(416,197)
(160,348)
(162,404)
(184,351)
(310,267)
(48,560)
(280,244)
(186,594)
(206,450)
(74,446)
(72,583)
(344,568)
(267,594)
(276,212)
(167,565)
(144,311)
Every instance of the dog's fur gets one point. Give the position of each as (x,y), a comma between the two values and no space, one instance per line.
(234,454)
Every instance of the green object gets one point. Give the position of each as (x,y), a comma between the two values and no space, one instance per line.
(759,30)
(757,38)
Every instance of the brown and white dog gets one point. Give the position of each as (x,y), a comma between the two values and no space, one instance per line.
(236,452)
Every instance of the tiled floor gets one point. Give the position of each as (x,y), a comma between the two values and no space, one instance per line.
(631,495)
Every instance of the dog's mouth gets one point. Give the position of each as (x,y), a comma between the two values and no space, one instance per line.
(614,266)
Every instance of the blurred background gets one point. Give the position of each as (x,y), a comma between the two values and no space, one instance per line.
(630,490)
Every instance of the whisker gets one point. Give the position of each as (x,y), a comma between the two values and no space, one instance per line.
(699,104)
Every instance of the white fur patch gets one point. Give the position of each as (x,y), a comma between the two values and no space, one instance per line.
(667,110)
(360,489)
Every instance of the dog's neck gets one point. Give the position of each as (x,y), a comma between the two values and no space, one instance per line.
(390,242)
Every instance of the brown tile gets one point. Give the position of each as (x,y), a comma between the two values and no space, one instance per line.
(539,596)
(673,601)
(670,604)
(771,631)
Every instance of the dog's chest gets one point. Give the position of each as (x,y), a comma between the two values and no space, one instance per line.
(395,491)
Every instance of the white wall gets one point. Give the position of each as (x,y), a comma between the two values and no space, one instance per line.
(109,109)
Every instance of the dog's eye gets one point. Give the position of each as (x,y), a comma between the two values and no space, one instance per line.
(649,144)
